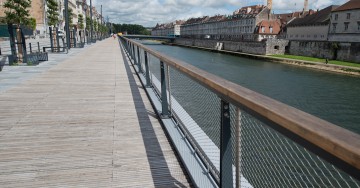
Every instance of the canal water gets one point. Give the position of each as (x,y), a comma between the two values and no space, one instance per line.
(330,96)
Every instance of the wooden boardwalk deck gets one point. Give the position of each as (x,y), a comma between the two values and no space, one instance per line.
(85,122)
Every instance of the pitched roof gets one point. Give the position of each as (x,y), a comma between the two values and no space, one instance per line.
(350,5)
(319,18)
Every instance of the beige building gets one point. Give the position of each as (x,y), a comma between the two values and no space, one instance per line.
(239,26)
(345,23)
(167,29)
(313,27)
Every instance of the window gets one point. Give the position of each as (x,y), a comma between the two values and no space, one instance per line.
(334,27)
(262,29)
(336,16)
(346,26)
(348,16)
(276,47)
(271,29)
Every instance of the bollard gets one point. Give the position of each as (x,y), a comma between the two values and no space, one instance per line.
(38,43)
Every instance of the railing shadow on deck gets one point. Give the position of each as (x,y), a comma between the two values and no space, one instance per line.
(158,165)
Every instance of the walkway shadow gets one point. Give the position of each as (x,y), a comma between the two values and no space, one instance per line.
(159,169)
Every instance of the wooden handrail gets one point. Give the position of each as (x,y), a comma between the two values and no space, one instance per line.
(335,140)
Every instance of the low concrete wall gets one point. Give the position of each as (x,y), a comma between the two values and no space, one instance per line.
(271,46)
(345,51)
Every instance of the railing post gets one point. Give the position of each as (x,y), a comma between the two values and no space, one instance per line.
(139,62)
(164,102)
(30,48)
(38,43)
(226,175)
(133,55)
(147,70)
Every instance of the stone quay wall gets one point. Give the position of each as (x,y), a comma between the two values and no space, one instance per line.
(271,46)
(332,50)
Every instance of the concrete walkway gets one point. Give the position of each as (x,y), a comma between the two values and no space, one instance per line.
(84,121)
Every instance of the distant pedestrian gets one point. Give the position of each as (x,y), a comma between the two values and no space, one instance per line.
(114,36)
(326,61)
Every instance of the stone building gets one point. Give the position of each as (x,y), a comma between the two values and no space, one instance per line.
(345,23)
(312,27)
(239,26)
(167,29)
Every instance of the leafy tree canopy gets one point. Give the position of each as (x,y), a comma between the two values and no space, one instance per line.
(16,12)
(52,12)
(81,21)
(132,29)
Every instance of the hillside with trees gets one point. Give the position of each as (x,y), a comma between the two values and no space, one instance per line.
(131,29)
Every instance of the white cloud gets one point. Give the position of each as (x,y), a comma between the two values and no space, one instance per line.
(150,12)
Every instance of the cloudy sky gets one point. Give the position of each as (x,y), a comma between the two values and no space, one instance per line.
(150,12)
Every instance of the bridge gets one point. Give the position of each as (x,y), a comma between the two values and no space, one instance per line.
(119,114)
(171,39)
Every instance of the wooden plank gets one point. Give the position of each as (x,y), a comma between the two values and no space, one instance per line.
(82,124)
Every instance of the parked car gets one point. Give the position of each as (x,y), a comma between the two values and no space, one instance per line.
(61,33)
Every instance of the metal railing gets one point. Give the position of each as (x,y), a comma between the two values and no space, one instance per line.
(242,138)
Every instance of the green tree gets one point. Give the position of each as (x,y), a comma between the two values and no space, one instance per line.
(95,26)
(52,12)
(16,12)
(81,21)
(131,29)
(32,24)
(87,23)
(71,17)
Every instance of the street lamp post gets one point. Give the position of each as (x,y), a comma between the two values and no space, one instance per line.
(91,22)
(67,29)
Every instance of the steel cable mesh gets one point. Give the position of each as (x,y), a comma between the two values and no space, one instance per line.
(269,159)
(199,110)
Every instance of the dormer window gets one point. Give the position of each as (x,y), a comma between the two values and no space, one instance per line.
(271,29)
(262,29)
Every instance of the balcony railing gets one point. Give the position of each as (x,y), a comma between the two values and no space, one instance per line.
(239,137)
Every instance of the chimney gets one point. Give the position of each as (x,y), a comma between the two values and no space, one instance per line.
(269,4)
(306,5)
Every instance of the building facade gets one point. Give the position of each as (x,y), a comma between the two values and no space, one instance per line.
(167,29)
(312,27)
(345,23)
(239,26)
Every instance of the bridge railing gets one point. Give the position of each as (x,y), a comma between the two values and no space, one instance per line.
(242,138)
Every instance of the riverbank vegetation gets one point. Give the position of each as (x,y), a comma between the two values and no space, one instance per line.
(319,60)
(131,29)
